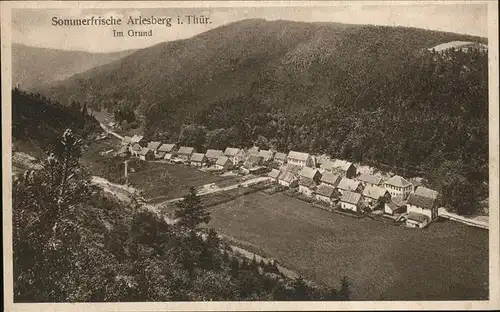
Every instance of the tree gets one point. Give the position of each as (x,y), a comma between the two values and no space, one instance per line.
(301,292)
(192,135)
(190,213)
(345,292)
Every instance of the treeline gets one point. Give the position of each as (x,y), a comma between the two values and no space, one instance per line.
(71,243)
(40,120)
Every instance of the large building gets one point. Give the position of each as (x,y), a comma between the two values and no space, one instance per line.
(398,186)
(300,159)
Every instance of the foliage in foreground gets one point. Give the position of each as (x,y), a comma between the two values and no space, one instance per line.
(72,243)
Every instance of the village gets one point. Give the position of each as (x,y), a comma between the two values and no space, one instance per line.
(332,184)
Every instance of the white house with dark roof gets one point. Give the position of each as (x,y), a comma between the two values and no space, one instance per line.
(288,179)
(422,205)
(198,159)
(348,185)
(280,158)
(344,168)
(426,192)
(184,153)
(398,186)
(213,154)
(330,179)
(236,155)
(326,193)
(310,173)
(350,201)
(368,179)
(372,193)
(300,159)
(223,163)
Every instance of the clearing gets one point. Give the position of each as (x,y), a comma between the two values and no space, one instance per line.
(446,261)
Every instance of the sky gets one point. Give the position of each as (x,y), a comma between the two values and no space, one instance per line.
(34,27)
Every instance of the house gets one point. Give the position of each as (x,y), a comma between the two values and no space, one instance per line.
(344,168)
(326,193)
(135,149)
(223,163)
(273,174)
(426,192)
(330,179)
(253,160)
(198,159)
(395,205)
(236,155)
(154,146)
(280,158)
(348,185)
(350,201)
(213,154)
(310,173)
(291,168)
(398,186)
(368,179)
(266,155)
(288,179)
(372,193)
(300,159)
(422,205)
(417,220)
(165,149)
(184,153)
(146,154)
(306,186)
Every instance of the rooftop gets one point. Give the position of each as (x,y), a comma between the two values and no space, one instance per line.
(398,181)
(351,197)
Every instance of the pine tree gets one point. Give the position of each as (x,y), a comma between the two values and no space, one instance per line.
(345,292)
(190,213)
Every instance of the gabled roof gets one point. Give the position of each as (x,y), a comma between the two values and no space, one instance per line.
(341,164)
(197,157)
(330,178)
(307,182)
(420,201)
(397,201)
(368,178)
(287,176)
(222,161)
(293,168)
(398,181)
(298,156)
(307,172)
(280,156)
(266,154)
(231,151)
(154,145)
(166,147)
(212,153)
(274,173)
(348,184)
(415,216)
(184,150)
(426,192)
(373,191)
(351,197)
(325,190)
(144,151)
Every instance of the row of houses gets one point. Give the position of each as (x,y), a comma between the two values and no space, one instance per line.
(333,181)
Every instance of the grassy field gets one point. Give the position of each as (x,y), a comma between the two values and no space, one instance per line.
(445,261)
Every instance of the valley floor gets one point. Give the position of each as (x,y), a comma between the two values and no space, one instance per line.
(446,261)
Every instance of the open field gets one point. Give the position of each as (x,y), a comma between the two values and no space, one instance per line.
(445,261)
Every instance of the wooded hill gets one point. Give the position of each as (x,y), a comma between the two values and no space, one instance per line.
(33,67)
(363,93)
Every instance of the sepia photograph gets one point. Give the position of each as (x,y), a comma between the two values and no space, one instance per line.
(248,154)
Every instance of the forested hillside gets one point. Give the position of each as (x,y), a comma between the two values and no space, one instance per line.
(34,67)
(372,94)
(38,121)
(74,243)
